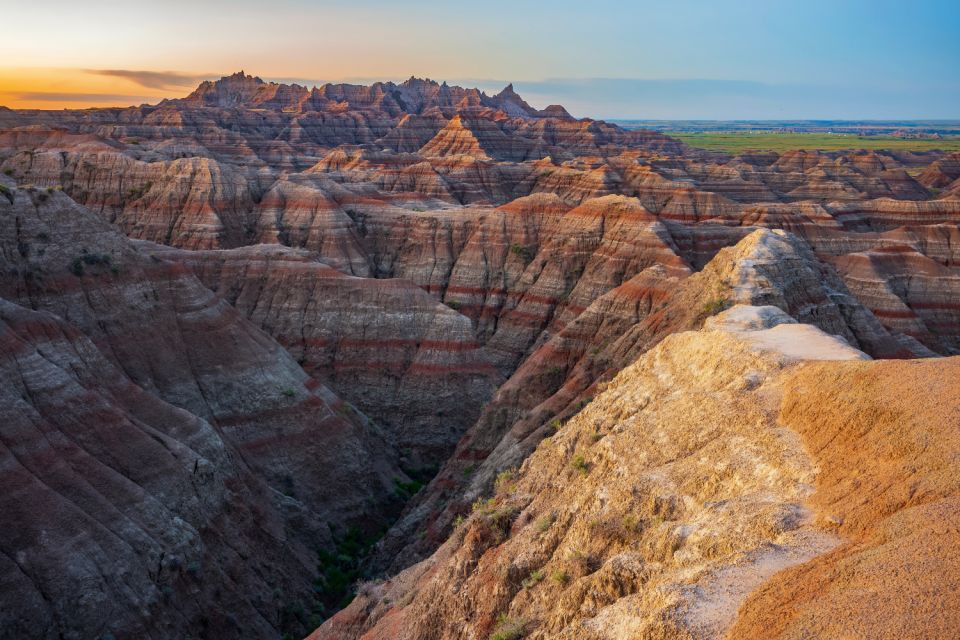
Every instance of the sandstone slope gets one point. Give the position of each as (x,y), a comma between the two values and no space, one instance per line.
(662,513)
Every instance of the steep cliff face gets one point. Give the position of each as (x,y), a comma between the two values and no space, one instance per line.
(409,362)
(114,357)
(161,528)
(654,513)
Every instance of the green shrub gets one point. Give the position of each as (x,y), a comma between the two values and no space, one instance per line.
(560,577)
(580,464)
(715,305)
(406,490)
(544,523)
(138,192)
(522,252)
(535,578)
(509,629)
(504,481)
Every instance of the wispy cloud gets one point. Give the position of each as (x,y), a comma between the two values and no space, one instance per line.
(58,96)
(160,80)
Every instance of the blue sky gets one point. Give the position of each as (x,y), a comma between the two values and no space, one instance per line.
(680,59)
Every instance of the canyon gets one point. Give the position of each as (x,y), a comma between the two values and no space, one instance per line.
(496,371)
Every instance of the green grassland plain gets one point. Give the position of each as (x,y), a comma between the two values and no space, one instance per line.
(740,141)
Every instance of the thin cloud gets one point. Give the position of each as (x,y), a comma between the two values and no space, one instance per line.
(160,80)
(54,96)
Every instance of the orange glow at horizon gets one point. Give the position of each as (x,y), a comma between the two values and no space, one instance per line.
(50,88)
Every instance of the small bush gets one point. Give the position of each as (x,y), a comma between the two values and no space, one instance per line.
(715,305)
(138,192)
(453,304)
(509,629)
(522,252)
(560,577)
(289,393)
(76,267)
(535,578)
(8,172)
(544,523)
(580,464)
(504,481)
(406,490)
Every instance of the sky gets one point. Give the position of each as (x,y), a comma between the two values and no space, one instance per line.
(677,59)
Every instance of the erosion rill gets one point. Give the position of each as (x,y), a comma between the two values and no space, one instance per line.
(501,372)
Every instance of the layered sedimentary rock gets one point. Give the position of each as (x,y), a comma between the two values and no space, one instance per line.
(329,284)
(558,378)
(157,423)
(654,512)
(412,363)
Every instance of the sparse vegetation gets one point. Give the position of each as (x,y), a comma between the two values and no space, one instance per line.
(523,252)
(79,264)
(453,304)
(289,393)
(499,516)
(740,141)
(580,464)
(407,489)
(138,192)
(535,578)
(560,577)
(340,570)
(509,629)
(504,481)
(544,523)
(715,305)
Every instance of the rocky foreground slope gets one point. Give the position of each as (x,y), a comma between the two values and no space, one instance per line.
(756,478)
(251,331)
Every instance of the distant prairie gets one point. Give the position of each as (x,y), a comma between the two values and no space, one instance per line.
(738,142)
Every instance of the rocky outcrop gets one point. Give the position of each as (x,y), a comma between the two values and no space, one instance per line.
(407,361)
(908,292)
(657,512)
(112,355)
(558,378)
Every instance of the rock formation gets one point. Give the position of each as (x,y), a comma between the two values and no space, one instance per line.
(564,365)
(724,510)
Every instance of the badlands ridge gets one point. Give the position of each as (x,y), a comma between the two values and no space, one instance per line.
(503,372)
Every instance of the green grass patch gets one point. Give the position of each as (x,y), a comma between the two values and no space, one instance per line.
(740,141)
